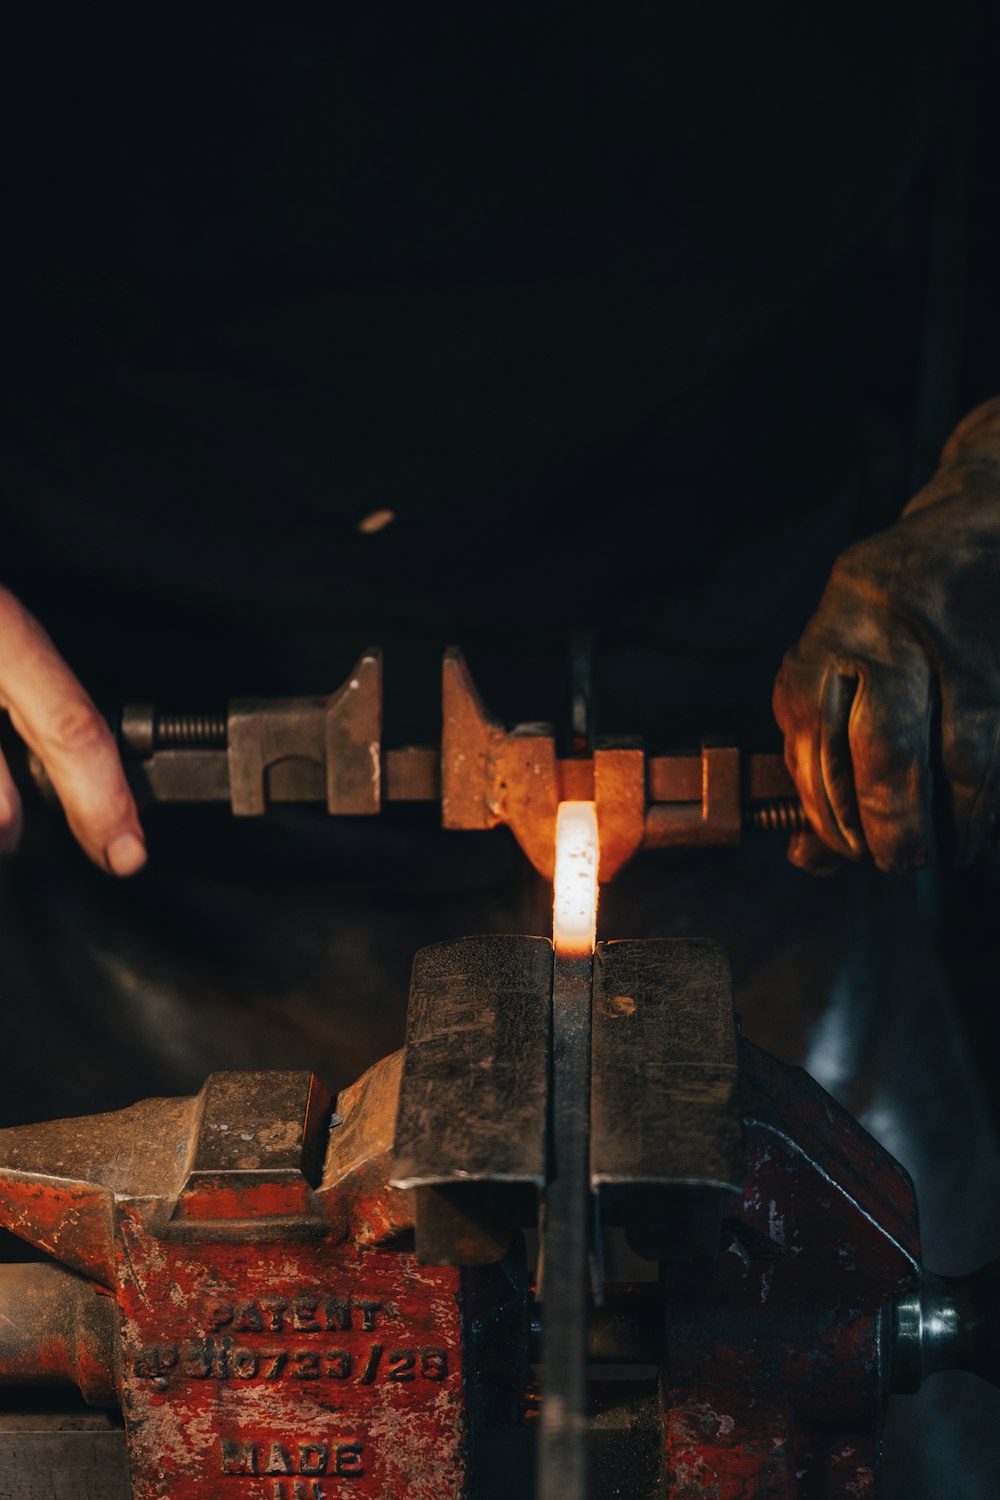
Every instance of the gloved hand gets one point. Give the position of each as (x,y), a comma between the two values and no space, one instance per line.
(890,702)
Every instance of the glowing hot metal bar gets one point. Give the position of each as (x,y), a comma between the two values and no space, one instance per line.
(566,1209)
(574,907)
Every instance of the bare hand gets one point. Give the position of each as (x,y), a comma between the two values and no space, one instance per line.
(55,717)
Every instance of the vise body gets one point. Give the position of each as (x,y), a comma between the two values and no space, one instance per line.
(292,1298)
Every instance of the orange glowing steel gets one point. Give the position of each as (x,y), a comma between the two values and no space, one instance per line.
(574,907)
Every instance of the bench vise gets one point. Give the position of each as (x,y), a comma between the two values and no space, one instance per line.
(293,1298)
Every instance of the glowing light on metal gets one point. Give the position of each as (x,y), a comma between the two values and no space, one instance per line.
(574,907)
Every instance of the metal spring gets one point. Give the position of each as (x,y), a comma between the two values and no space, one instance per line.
(775,815)
(190,731)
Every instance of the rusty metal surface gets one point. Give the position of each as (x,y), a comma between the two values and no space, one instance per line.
(258,1150)
(329,750)
(474,1090)
(267,1343)
(57,1328)
(333,744)
(490,777)
(412,774)
(59,1181)
(778,1358)
(665,1105)
(619,795)
(60,1457)
(278,1338)
(285,1363)
(470,1133)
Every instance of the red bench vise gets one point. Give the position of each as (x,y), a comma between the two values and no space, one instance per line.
(294,1299)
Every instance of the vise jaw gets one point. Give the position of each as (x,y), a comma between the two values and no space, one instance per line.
(473,1127)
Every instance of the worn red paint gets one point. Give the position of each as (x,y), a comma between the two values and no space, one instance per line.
(251,1368)
(71,1220)
(216,1199)
(279,1341)
(272,1346)
(775,1377)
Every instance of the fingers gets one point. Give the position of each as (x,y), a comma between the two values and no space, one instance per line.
(889,733)
(807,851)
(812,701)
(970,752)
(857,742)
(55,717)
(10,811)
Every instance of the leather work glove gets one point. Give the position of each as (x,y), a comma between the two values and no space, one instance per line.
(890,702)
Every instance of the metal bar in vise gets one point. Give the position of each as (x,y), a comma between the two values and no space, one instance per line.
(566,1238)
(494,1110)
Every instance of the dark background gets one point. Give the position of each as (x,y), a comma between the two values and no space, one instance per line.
(634,317)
